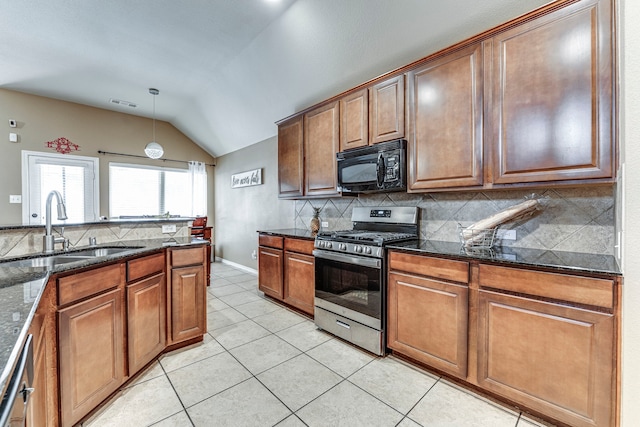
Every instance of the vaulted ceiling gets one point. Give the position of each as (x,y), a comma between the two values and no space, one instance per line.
(226,69)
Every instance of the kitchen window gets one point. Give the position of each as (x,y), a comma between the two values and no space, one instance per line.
(137,190)
(75,177)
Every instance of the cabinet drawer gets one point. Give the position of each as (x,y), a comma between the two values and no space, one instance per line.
(187,256)
(271,241)
(298,245)
(82,285)
(457,271)
(564,287)
(146,266)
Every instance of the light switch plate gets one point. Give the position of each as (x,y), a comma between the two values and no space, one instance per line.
(171,228)
(325,223)
(15,198)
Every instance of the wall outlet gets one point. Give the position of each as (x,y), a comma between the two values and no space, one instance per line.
(171,228)
(506,234)
(15,198)
(325,223)
(254,255)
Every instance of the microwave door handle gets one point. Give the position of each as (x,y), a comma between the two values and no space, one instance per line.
(381,170)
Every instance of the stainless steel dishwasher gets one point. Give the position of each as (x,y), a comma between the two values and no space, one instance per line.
(13,410)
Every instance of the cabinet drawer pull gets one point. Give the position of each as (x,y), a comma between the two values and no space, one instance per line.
(344,325)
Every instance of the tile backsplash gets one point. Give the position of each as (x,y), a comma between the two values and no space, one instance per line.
(28,240)
(570,219)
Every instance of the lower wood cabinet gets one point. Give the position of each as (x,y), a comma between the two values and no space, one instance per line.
(146,320)
(270,271)
(91,354)
(555,359)
(299,274)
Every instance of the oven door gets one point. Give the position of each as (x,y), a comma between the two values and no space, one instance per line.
(351,286)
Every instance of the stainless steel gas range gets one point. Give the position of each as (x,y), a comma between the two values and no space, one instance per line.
(350,273)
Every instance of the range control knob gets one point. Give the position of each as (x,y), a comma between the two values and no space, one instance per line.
(358,249)
(342,247)
(328,245)
(321,244)
(367,251)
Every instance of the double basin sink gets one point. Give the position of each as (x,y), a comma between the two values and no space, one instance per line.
(54,260)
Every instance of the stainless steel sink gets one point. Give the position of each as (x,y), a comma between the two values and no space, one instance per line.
(65,258)
(98,252)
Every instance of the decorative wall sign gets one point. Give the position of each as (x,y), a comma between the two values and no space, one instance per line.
(246,179)
(62,145)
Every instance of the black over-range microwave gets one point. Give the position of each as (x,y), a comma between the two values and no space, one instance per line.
(376,168)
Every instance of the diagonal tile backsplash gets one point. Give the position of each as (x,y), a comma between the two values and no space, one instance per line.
(570,219)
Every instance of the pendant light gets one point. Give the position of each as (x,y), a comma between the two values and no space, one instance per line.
(154,150)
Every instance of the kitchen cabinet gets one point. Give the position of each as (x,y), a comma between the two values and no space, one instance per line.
(90,339)
(321,143)
(550,113)
(187,294)
(445,104)
(548,355)
(428,311)
(270,266)
(291,158)
(146,310)
(354,120)
(386,111)
(299,274)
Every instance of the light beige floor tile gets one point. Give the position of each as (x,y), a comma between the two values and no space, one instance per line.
(525,421)
(304,336)
(298,381)
(201,380)
(445,405)
(178,420)
(264,353)
(240,298)
(291,421)
(214,303)
(257,308)
(340,357)
(279,320)
(181,358)
(347,405)
(153,371)
(141,405)
(250,285)
(241,278)
(224,291)
(218,282)
(239,333)
(222,318)
(394,383)
(231,272)
(247,404)
(408,422)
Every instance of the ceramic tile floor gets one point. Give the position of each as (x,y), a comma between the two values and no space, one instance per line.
(263,365)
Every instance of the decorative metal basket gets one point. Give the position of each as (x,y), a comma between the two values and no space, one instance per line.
(477,238)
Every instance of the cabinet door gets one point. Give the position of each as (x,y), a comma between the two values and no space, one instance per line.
(187,303)
(387,110)
(91,358)
(445,119)
(551,358)
(290,158)
(270,272)
(299,281)
(551,110)
(146,308)
(428,321)
(37,409)
(354,120)
(321,143)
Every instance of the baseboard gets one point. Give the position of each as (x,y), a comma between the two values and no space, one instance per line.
(238,266)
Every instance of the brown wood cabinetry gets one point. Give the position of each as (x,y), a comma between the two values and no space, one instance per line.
(445,99)
(550,111)
(270,266)
(187,294)
(386,111)
(354,120)
(428,315)
(146,311)
(321,143)
(290,158)
(91,351)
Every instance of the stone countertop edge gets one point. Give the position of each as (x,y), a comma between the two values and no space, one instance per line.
(107,221)
(141,247)
(297,233)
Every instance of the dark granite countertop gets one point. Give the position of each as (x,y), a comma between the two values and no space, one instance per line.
(21,288)
(558,260)
(106,221)
(290,232)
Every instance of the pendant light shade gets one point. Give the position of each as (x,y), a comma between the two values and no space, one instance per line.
(153,150)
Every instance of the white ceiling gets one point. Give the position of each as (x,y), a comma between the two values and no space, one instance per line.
(226,69)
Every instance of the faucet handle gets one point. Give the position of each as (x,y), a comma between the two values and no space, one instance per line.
(92,241)
(65,244)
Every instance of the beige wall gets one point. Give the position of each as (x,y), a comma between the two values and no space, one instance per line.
(43,119)
(240,212)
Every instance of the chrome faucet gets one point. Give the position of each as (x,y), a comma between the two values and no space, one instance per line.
(49,241)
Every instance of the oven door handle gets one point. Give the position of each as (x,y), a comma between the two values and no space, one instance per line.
(362,261)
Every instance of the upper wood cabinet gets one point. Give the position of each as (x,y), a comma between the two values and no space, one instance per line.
(386,110)
(354,120)
(290,158)
(321,143)
(550,113)
(445,121)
